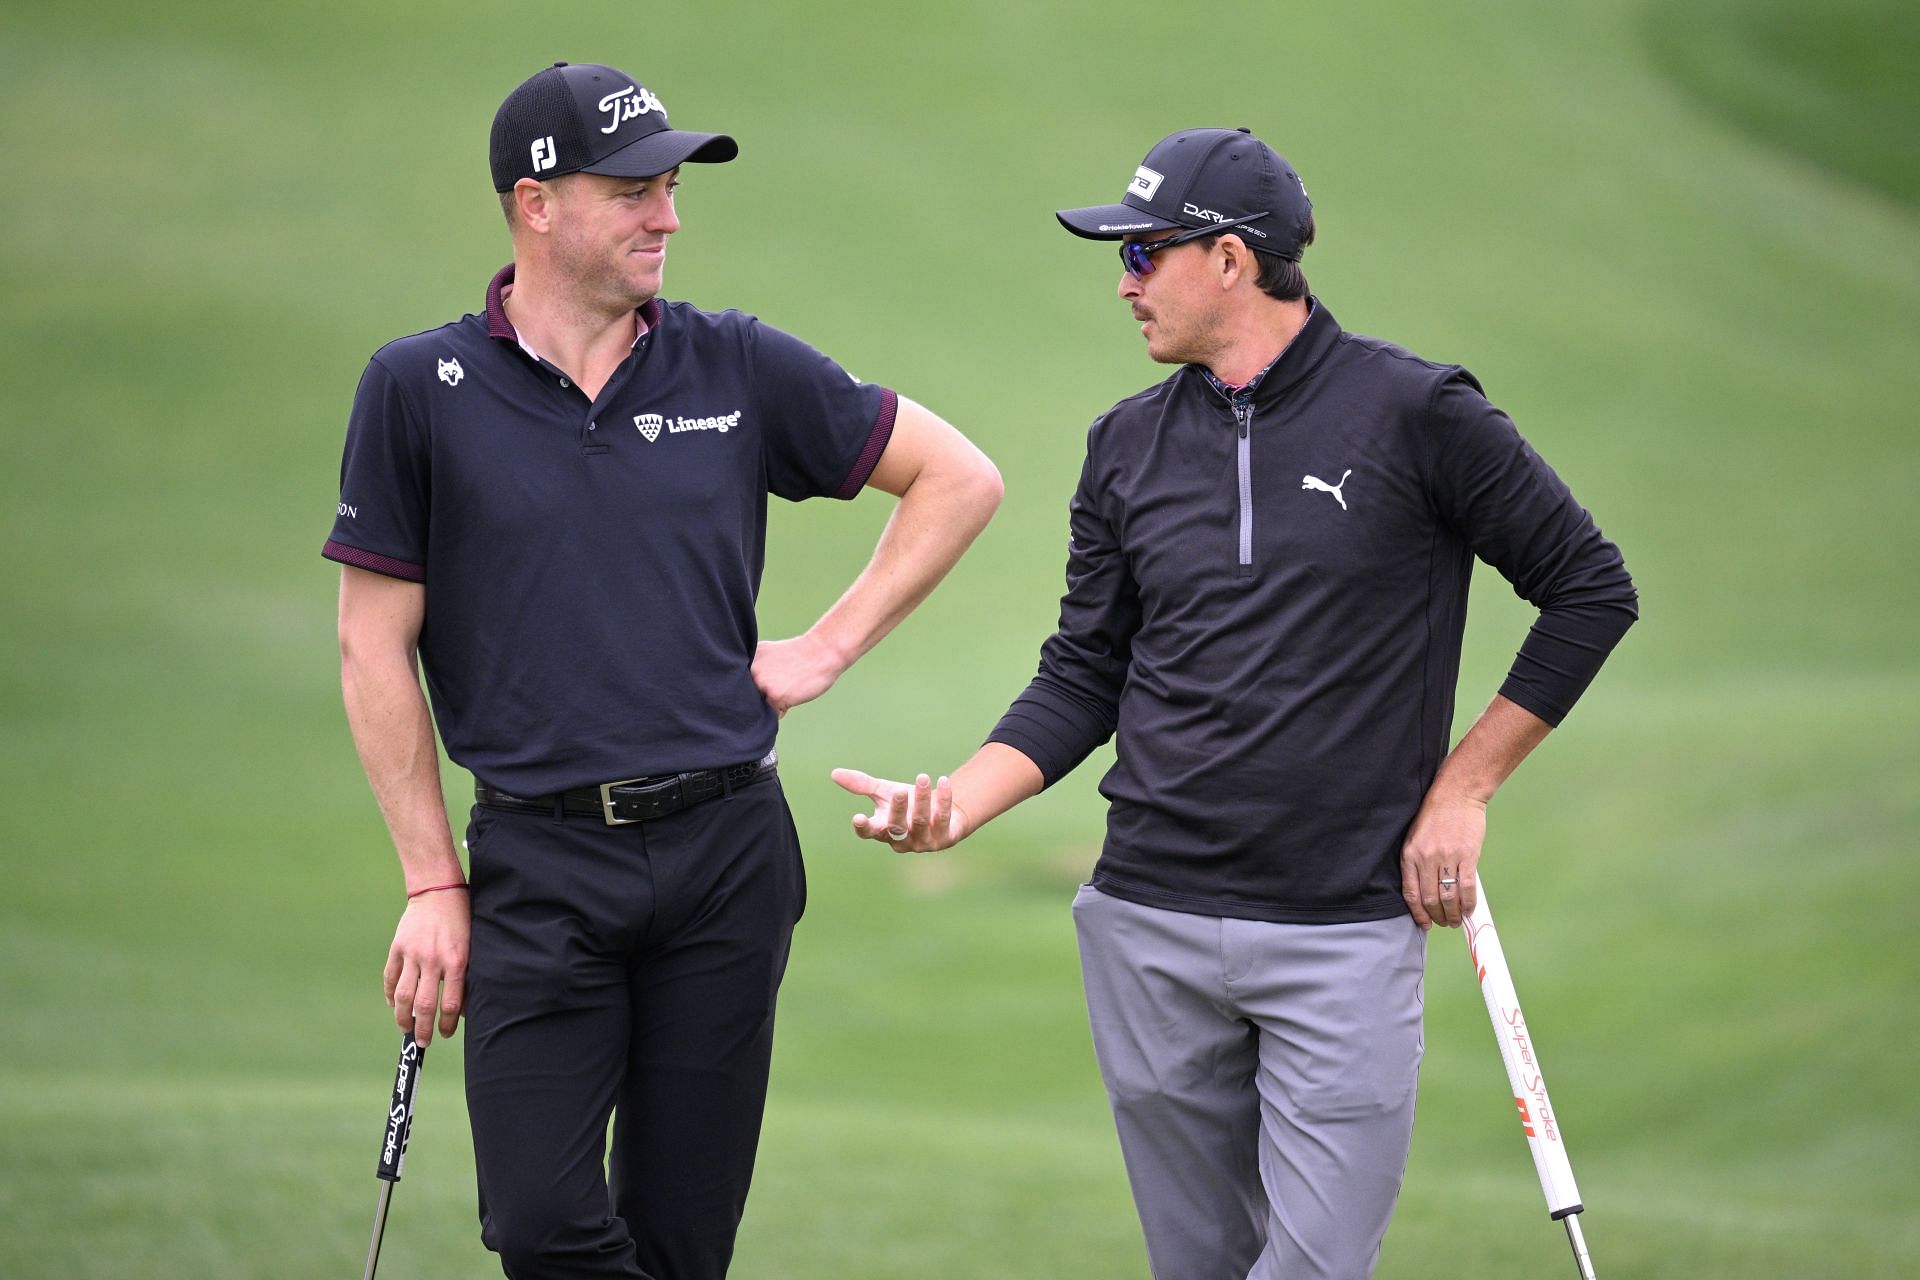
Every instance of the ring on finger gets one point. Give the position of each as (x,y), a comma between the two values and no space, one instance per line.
(896,833)
(1446,881)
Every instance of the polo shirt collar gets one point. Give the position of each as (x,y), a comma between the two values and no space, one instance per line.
(498,326)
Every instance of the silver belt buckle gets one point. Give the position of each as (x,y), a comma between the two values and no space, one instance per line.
(606,803)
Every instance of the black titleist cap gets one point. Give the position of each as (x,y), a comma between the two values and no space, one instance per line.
(1200,176)
(587,118)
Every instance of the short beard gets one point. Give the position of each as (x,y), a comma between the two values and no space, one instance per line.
(1200,347)
(595,283)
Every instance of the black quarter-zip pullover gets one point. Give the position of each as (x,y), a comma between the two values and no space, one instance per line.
(1266,594)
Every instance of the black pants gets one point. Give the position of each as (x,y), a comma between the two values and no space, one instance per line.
(624,971)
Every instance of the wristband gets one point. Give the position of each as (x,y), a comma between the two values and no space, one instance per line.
(435,888)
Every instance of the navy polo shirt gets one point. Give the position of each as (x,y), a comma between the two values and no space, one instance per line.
(591,567)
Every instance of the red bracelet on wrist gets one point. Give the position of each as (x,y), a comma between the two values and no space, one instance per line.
(435,888)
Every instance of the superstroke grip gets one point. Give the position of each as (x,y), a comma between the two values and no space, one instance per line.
(399,1127)
(1537,1117)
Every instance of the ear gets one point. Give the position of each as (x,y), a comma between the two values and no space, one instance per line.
(1236,262)
(533,202)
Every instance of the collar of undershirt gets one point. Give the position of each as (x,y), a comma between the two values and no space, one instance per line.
(498,326)
(1245,390)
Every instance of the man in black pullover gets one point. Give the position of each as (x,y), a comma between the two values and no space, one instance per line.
(1266,592)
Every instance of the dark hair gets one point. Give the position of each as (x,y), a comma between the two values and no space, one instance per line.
(1279,278)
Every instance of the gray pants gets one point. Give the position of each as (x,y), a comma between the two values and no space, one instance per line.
(1262,1078)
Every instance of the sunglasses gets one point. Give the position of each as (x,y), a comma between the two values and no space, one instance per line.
(1137,257)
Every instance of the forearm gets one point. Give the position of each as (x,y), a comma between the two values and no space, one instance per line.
(1442,849)
(997,778)
(1504,735)
(923,816)
(393,732)
(937,519)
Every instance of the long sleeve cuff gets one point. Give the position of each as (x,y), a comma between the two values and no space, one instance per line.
(1562,654)
(1054,728)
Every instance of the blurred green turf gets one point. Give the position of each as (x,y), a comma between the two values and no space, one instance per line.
(216,211)
(1834,82)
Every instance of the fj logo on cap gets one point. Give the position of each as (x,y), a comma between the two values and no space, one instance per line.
(623,105)
(544,157)
(1145,182)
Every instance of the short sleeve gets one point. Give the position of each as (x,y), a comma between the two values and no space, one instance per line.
(381,521)
(825,429)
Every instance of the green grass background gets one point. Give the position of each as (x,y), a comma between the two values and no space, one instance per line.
(1677,241)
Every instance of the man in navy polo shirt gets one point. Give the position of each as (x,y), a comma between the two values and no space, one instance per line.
(1266,595)
(557,507)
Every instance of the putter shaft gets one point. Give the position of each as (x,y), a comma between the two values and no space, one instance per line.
(1574,1238)
(379,1228)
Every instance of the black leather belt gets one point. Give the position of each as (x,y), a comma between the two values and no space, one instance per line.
(619,804)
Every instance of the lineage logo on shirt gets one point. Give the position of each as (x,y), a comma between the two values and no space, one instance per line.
(652,424)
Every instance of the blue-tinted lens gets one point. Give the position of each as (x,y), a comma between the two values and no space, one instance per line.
(1137,261)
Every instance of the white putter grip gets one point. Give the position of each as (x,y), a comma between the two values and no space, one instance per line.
(1523,1064)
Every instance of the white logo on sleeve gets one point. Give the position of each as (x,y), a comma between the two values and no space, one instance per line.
(1145,183)
(544,156)
(451,372)
(1315,482)
(652,424)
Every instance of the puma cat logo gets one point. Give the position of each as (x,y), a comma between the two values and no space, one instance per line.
(1315,482)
